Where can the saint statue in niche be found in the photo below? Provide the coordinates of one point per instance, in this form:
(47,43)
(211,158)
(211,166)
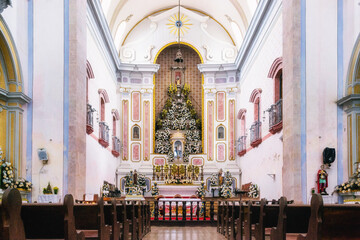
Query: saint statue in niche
(136,133)
(221,133)
(178,149)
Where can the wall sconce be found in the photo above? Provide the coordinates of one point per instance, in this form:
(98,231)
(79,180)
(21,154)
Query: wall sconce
(272,175)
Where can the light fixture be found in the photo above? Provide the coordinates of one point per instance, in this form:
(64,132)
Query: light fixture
(178,24)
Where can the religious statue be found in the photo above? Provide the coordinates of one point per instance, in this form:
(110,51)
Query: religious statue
(178,81)
(221,177)
(155,190)
(135,177)
(322,181)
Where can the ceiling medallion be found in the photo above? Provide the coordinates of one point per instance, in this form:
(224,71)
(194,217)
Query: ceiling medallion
(176,24)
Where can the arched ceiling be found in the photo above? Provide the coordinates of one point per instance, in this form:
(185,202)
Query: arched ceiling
(239,11)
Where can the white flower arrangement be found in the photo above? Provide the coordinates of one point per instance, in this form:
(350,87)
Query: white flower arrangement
(254,191)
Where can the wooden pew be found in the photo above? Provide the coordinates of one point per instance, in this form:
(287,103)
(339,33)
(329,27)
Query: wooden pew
(132,219)
(90,219)
(122,218)
(111,219)
(268,218)
(334,222)
(11,225)
(50,220)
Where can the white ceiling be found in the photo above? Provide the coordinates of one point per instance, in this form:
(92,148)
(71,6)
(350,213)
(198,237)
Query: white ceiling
(240,11)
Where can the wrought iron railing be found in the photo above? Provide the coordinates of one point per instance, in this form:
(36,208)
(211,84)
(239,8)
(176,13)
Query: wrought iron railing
(242,144)
(275,114)
(116,144)
(104,132)
(255,132)
(90,119)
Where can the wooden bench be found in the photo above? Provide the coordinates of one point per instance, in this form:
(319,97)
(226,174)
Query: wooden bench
(122,218)
(334,222)
(90,219)
(111,219)
(50,220)
(11,225)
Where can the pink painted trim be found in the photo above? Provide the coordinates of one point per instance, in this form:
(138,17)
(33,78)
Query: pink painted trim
(103,93)
(89,70)
(275,67)
(97,139)
(262,140)
(241,112)
(116,114)
(255,93)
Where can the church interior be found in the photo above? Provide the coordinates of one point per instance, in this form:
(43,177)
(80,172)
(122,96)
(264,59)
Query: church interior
(180,119)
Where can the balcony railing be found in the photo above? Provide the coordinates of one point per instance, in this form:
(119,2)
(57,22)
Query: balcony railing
(104,134)
(116,146)
(89,119)
(255,134)
(275,117)
(241,146)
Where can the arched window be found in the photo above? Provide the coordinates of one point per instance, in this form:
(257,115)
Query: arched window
(275,111)
(115,140)
(90,110)
(103,126)
(241,147)
(255,129)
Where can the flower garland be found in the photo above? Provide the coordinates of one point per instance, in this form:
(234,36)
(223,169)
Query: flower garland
(254,191)
(8,176)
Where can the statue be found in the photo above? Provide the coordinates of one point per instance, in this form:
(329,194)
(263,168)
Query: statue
(322,181)
(135,177)
(178,81)
(155,190)
(221,177)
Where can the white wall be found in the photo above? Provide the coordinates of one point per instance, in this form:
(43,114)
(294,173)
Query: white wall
(100,163)
(267,158)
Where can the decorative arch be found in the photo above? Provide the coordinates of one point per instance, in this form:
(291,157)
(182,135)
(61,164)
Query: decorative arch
(241,112)
(255,94)
(276,66)
(103,94)
(353,75)
(89,70)
(116,114)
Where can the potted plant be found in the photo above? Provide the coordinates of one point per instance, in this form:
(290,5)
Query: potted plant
(56,190)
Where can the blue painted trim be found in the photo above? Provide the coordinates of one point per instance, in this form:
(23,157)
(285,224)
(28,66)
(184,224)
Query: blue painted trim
(66,97)
(29,117)
(340,87)
(303,100)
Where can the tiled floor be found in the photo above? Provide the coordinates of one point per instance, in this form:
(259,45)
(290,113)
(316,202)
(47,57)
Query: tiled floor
(183,233)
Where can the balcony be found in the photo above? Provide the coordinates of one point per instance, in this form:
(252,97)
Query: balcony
(89,119)
(241,146)
(275,117)
(255,134)
(116,146)
(104,134)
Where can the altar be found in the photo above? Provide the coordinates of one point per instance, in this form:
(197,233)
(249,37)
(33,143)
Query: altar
(183,190)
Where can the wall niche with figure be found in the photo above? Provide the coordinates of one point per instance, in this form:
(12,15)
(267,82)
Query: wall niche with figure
(135,133)
(220,132)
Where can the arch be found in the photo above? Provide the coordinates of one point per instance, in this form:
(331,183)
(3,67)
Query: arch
(353,75)
(241,112)
(276,66)
(116,114)
(255,94)
(11,60)
(103,94)
(89,70)
(176,43)
(220,136)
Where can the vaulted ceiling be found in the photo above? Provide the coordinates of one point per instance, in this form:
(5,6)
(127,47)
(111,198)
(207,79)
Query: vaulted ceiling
(226,12)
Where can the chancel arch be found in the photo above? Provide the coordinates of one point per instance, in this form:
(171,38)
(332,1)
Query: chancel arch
(12,100)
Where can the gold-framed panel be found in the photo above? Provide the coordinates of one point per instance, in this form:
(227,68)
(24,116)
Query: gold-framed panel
(217,134)
(132,106)
(153,160)
(132,137)
(203,161)
(212,104)
(144,128)
(125,102)
(217,144)
(131,153)
(350,154)
(234,129)
(217,117)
